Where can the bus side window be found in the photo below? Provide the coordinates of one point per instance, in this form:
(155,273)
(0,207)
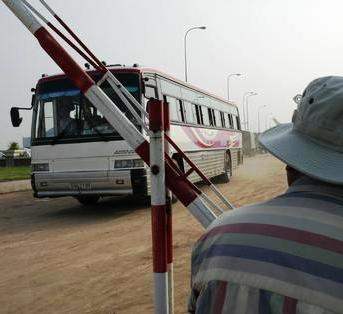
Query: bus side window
(195,114)
(198,113)
(150,92)
(180,111)
(234,118)
(217,118)
(238,123)
(189,115)
(211,116)
(227,121)
(204,114)
(173,108)
(231,126)
(222,119)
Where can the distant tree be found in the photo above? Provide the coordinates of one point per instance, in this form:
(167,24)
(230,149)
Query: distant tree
(13,146)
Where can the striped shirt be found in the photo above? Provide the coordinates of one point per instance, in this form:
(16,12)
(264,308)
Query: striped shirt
(281,256)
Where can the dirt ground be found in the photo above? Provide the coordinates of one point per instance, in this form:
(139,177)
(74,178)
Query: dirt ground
(59,257)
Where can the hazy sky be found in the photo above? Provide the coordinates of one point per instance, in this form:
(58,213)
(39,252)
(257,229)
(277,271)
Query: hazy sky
(278,46)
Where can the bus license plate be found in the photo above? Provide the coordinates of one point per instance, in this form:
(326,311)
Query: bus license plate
(81,186)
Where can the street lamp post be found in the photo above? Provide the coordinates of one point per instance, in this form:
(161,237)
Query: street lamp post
(228,83)
(243,107)
(247,104)
(267,120)
(258,117)
(185,46)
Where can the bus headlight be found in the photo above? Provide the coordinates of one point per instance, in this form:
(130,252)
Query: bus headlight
(40,167)
(128,163)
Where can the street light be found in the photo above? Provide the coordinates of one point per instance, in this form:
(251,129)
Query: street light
(243,106)
(258,117)
(267,120)
(228,83)
(185,45)
(247,103)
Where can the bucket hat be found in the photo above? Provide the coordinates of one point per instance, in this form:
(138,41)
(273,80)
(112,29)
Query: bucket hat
(313,142)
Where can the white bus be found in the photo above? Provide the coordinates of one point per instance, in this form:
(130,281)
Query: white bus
(75,152)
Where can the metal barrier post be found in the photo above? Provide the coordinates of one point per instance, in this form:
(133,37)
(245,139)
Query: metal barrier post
(158,206)
(170,267)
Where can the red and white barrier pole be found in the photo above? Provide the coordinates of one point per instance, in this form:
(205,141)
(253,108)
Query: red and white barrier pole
(170,268)
(158,206)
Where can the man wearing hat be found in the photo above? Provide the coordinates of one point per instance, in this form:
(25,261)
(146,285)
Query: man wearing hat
(284,255)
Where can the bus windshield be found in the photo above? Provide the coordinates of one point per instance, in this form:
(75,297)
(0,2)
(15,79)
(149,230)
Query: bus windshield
(63,114)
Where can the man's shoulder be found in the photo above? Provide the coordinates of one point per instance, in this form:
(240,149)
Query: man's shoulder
(250,214)
(288,226)
(299,204)
(291,245)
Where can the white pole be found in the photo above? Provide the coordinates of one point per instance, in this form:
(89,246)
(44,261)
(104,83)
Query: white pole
(170,266)
(158,206)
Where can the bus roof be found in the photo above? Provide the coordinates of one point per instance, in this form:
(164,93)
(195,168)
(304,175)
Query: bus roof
(139,70)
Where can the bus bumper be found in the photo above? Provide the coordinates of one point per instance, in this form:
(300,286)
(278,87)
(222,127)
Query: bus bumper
(114,182)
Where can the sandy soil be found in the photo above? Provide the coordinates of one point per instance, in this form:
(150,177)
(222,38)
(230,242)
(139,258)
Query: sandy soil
(58,257)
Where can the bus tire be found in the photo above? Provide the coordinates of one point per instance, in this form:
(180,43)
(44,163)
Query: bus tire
(226,176)
(87,200)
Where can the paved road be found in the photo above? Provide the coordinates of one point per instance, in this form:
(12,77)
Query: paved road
(60,257)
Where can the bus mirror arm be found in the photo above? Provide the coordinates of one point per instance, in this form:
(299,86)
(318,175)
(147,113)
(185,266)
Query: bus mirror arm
(15,116)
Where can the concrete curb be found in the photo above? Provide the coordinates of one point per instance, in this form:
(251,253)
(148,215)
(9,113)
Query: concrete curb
(14,186)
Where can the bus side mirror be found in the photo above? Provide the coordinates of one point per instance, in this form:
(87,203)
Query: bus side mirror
(15,117)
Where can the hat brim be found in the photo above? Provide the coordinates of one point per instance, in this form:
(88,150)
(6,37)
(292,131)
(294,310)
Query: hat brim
(299,152)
